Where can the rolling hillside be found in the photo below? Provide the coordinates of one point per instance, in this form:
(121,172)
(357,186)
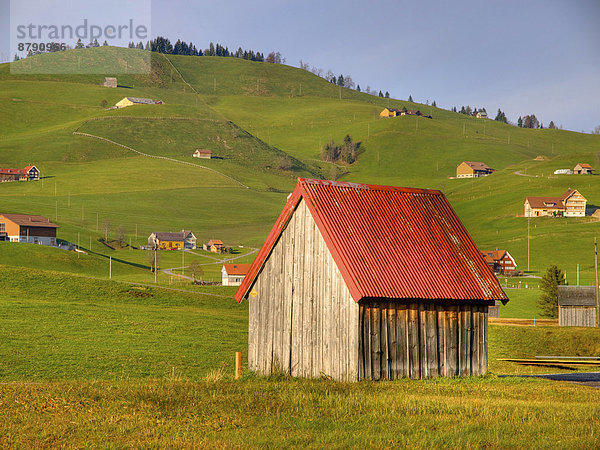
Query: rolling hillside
(267,123)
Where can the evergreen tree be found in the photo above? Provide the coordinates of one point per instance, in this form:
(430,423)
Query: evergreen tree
(548,301)
(105,44)
(410,98)
(16,57)
(140,46)
(380,94)
(79,44)
(340,81)
(462,110)
(358,88)
(552,126)
(434,104)
(387,94)
(211,50)
(520,122)
(501,117)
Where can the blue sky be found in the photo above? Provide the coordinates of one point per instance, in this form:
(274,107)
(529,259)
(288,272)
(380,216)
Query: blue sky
(538,57)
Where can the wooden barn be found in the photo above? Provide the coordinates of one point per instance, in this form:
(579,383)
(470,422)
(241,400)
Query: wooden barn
(357,281)
(577,306)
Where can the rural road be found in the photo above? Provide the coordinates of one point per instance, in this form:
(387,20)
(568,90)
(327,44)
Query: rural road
(217,260)
(591,379)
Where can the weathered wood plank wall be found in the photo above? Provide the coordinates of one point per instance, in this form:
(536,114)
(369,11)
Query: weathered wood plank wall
(577,316)
(302,318)
(421,341)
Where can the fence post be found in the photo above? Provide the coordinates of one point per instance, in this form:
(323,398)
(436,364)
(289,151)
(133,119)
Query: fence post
(238,365)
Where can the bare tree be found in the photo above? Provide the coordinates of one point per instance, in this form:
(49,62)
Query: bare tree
(106,227)
(121,235)
(196,270)
(317,71)
(304,66)
(329,75)
(595,130)
(348,82)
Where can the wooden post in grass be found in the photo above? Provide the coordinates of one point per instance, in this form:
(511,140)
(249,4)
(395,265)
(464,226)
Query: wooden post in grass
(110,267)
(238,365)
(155,257)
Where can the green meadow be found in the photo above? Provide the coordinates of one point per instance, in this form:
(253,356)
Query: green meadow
(86,361)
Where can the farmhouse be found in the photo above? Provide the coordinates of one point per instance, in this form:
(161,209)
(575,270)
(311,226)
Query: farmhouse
(500,261)
(128,101)
(110,82)
(390,112)
(570,204)
(480,115)
(29,173)
(411,112)
(356,281)
(473,169)
(583,169)
(203,154)
(172,241)
(577,306)
(234,274)
(214,245)
(27,228)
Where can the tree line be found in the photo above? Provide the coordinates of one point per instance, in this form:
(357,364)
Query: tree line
(162,44)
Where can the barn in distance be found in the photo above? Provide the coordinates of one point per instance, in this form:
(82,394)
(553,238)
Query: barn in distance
(358,281)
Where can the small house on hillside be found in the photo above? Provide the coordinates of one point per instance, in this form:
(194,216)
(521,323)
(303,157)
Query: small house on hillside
(500,261)
(214,245)
(357,281)
(29,173)
(577,306)
(110,82)
(411,112)
(570,204)
(128,101)
(172,241)
(203,154)
(480,115)
(473,169)
(234,274)
(583,169)
(27,228)
(390,112)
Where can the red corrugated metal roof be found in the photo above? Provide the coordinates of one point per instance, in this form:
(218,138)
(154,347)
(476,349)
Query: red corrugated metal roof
(389,242)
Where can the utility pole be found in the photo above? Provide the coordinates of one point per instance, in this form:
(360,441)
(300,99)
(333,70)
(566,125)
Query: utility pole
(155,268)
(57,210)
(183,260)
(110,267)
(528,243)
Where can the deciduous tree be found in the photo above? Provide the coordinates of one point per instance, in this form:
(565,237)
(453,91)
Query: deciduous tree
(548,301)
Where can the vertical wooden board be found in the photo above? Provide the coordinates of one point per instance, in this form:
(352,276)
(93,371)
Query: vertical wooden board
(384,339)
(376,341)
(316,294)
(252,335)
(482,344)
(485,340)
(423,342)
(452,341)
(462,341)
(269,317)
(393,340)
(468,339)
(326,328)
(353,328)
(441,339)
(368,343)
(298,250)
(432,341)
(276,312)
(413,340)
(287,240)
(402,338)
(475,347)
(361,340)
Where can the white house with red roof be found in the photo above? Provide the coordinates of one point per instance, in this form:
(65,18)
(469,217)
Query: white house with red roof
(29,173)
(570,204)
(234,274)
(358,281)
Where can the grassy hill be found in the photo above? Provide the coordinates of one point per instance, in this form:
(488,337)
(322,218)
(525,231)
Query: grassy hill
(267,123)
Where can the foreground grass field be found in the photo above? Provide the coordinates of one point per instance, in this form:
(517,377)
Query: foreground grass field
(87,362)
(454,413)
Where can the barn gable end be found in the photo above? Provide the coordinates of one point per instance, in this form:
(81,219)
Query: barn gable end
(302,317)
